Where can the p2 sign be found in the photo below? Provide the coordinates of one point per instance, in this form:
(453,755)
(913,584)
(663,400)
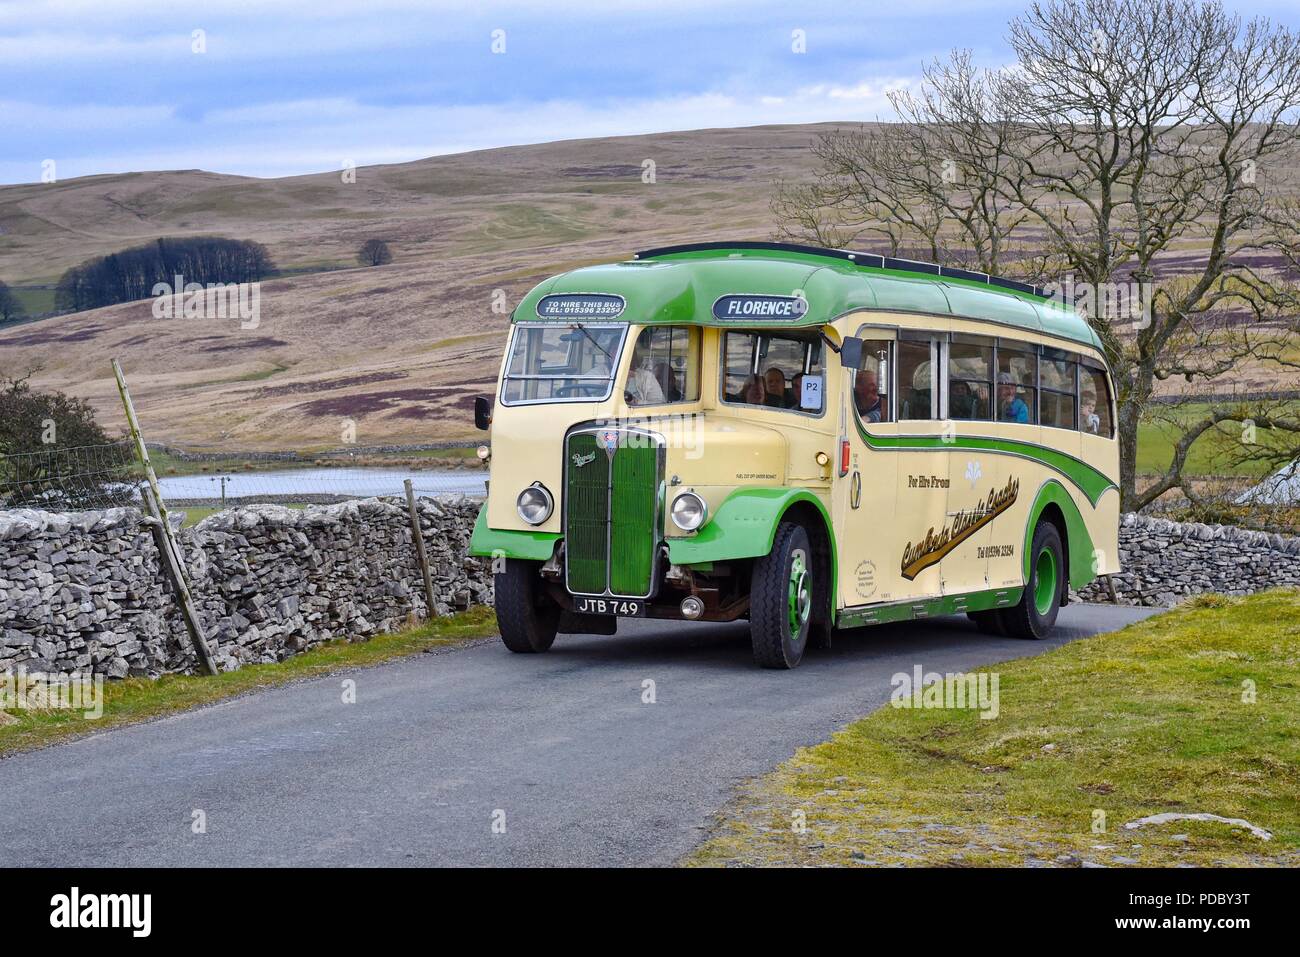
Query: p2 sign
(810,393)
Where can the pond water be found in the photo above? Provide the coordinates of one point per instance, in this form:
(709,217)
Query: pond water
(358,482)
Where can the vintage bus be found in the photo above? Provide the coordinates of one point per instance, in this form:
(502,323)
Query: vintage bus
(810,439)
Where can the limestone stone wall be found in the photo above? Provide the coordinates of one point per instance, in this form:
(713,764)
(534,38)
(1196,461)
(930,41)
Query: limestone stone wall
(85,591)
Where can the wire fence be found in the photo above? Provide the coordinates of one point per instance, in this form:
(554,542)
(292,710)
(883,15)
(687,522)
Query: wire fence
(97,477)
(71,479)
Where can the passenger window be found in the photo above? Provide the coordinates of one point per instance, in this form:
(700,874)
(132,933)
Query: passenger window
(776,370)
(1094,403)
(665,366)
(917,395)
(1058,390)
(871,381)
(1017,386)
(970,381)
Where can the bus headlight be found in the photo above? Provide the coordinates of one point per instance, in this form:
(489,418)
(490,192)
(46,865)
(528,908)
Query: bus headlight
(535,504)
(689,511)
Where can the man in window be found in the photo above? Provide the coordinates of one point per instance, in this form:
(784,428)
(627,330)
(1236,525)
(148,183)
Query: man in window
(866,396)
(1011,408)
(774,383)
(642,387)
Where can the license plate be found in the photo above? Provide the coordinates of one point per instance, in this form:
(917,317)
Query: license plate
(624,607)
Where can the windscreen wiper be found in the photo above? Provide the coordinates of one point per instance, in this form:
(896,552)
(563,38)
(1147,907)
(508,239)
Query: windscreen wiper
(592,339)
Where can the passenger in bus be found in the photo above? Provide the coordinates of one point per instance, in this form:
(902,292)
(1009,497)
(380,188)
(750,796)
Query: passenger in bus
(667,380)
(1011,408)
(755,391)
(961,401)
(774,381)
(1088,416)
(867,398)
(642,387)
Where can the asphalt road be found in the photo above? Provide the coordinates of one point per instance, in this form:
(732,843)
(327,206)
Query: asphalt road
(438,748)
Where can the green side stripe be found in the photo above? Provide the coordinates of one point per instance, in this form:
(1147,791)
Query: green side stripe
(1088,479)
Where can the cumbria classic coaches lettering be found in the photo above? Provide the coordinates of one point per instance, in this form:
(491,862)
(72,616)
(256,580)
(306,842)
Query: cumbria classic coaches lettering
(932,548)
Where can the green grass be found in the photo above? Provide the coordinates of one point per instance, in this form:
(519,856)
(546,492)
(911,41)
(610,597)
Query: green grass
(1211,454)
(34,301)
(1145,720)
(256,376)
(166,465)
(140,699)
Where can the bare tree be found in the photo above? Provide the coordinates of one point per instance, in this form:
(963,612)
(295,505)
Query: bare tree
(374,252)
(1126,134)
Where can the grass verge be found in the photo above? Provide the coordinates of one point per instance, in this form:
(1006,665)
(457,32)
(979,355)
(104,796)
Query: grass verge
(1150,719)
(140,699)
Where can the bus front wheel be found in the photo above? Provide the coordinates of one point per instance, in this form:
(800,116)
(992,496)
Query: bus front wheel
(781,599)
(527,616)
(1035,615)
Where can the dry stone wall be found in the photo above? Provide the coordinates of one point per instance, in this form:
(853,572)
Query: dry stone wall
(1165,562)
(85,591)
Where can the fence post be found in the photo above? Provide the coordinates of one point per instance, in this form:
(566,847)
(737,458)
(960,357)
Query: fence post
(419,547)
(173,565)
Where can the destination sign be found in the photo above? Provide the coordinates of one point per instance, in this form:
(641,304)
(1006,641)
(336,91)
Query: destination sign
(586,305)
(740,307)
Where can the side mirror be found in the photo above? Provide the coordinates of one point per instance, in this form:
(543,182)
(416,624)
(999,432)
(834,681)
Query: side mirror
(851,353)
(482,413)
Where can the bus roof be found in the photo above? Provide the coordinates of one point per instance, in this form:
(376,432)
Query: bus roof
(690,284)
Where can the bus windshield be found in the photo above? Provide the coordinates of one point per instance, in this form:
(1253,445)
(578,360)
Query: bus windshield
(562,362)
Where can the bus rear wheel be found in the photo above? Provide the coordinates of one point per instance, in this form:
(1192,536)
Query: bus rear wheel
(1035,615)
(527,616)
(781,599)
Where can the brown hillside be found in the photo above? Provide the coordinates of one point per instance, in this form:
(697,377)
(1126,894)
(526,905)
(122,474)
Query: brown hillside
(395,348)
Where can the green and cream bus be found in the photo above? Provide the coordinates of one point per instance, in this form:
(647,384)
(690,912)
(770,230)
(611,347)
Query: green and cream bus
(810,439)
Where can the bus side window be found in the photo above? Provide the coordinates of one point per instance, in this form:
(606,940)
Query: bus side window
(1017,385)
(1058,389)
(665,366)
(917,392)
(1094,402)
(970,380)
(871,381)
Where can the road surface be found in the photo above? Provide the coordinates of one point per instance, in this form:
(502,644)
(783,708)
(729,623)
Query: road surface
(440,750)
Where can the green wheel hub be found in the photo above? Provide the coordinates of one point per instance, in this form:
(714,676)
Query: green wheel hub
(799,595)
(1046,583)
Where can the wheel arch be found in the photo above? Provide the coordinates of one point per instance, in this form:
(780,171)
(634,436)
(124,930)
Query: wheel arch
(816,523)
(1054,504)
(745,527)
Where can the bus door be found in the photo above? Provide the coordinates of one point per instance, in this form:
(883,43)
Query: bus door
(923,464)
(972,474)
(890,496)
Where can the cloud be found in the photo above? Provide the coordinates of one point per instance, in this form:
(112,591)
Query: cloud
(324,133)
(297,86)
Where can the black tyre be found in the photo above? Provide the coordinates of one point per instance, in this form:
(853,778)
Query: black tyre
(527,616)
(781,599)
(1035,615)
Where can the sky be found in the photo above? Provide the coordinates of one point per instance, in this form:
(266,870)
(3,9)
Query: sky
(283,87)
